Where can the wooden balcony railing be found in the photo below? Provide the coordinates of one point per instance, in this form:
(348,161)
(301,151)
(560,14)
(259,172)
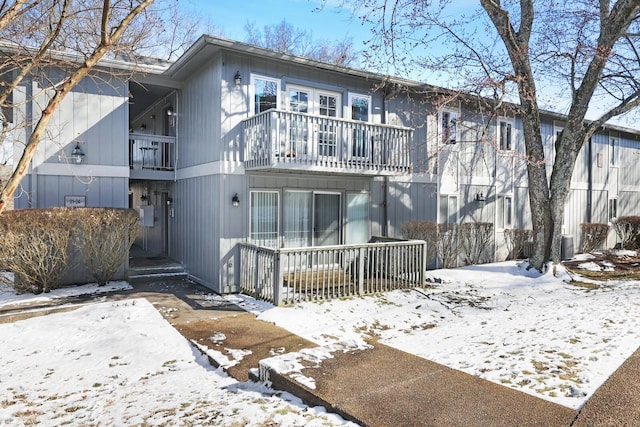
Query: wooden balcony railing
(155,152)
(289,275)
(281,139)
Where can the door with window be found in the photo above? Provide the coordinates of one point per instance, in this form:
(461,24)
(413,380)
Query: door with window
(361,141)
(317,136)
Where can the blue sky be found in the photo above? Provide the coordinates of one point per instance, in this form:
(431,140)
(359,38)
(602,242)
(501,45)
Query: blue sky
(331,23)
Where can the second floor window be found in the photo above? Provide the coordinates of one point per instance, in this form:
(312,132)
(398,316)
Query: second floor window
(266,92)
(505,135)
(613,152)
(449,127)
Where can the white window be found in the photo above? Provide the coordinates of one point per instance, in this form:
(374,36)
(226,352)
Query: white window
(359,107)
(449,126)
(504,212)
(613,209)
(360,110)
(448,209)
(266,93)
(613,152)
(505,135)
(263,229)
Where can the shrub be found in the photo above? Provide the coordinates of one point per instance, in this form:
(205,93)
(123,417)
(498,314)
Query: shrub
(593,235)
(448,247)
(475,237)
(35,247)
(422,230)
(516,240)
(628,231)
(105,237)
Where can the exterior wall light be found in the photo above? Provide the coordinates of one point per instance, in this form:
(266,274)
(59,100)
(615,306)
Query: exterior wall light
(238,78)
(235,200)
(77,155)
(480,199)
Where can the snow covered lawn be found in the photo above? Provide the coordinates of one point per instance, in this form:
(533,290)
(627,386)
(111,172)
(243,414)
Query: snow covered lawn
(535,333)
(121,363)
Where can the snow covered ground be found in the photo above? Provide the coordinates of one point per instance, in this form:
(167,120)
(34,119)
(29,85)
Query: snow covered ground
(535,333)
(120,362)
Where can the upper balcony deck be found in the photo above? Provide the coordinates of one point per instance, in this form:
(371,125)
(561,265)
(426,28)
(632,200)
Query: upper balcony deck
(278,139)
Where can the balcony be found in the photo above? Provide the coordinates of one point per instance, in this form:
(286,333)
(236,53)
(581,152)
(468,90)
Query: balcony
(151,156)
(284,140)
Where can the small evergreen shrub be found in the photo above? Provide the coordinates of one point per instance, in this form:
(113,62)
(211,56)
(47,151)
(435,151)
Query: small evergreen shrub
(593,235)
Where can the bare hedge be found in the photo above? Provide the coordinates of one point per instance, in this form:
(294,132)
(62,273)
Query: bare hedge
(628,230)
(35,247)
(593,235)
(104,239)
(516,240)
(448,241)
(36,244)
(476,237)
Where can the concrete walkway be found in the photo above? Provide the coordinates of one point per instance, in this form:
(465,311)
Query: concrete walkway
(380,386)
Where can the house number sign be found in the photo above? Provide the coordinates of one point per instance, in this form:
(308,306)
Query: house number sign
(75,201)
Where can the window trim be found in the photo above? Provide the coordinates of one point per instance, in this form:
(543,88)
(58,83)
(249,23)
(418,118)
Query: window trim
(502,210)
(445,137)
(614,148)
(457,213)
(611,218)
(353,95)
(278,209)
(252,91)
(510,124)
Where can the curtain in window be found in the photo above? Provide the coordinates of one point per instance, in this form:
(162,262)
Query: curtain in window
(297,219)
(264,218)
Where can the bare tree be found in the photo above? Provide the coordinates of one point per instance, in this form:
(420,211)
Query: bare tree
(588,50)
(68,35)
(284,37)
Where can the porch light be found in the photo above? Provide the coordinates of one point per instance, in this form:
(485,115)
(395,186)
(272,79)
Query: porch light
(235,200)
(238,78)
(480,199)
(170,112)
(77,155)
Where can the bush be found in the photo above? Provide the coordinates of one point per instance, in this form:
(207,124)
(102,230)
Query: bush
(516,240)
(36,244)
(475,237)
(35,247)
(105,237)
(422,230)
(593,236)
(448,247)
(628,231)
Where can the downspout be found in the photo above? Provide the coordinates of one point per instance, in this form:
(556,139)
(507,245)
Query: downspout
(589,179)
(175,148)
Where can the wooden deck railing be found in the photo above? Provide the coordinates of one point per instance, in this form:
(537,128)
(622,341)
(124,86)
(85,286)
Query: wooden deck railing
(282,139)
(155,152)
(289,275)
